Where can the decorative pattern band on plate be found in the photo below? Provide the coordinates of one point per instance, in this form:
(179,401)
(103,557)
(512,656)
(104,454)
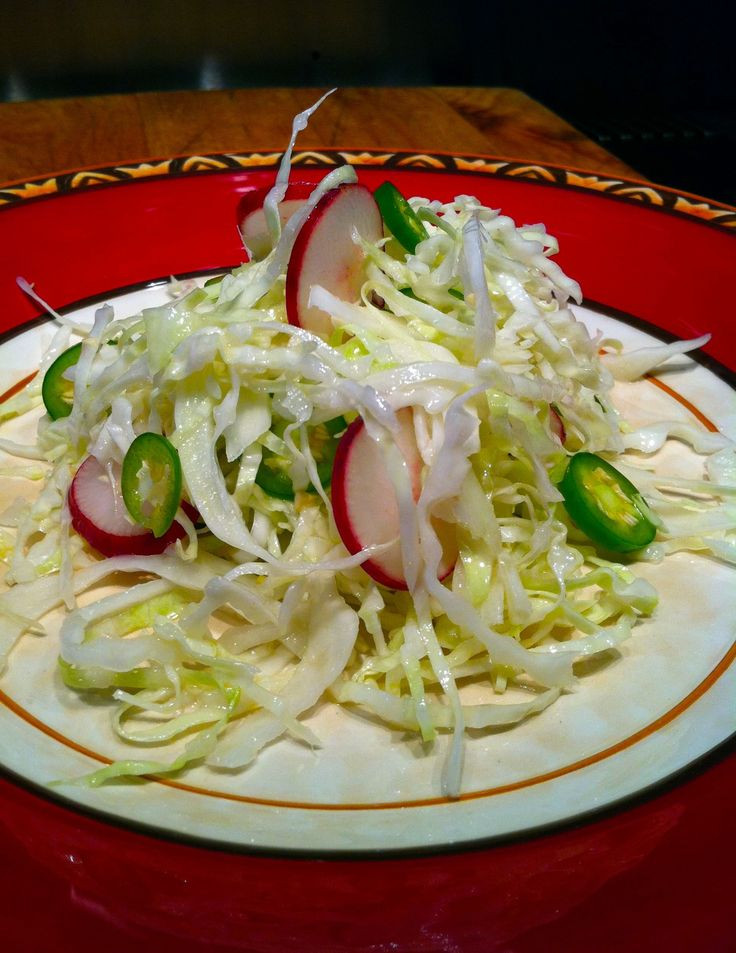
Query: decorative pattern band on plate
(706,210)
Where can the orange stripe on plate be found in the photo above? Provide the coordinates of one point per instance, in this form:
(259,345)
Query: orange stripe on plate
(12,391)
(705,421)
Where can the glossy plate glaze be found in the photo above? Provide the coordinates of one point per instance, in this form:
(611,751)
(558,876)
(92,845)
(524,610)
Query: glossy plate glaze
(666,262)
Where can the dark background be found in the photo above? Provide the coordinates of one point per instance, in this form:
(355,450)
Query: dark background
(652,83)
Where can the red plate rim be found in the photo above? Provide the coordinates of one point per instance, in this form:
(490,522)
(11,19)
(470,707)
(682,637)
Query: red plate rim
(628,189)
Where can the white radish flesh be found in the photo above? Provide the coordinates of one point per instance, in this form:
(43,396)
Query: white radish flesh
(364,499)
(325,254)
(99,515)
(556,425)
(252,219)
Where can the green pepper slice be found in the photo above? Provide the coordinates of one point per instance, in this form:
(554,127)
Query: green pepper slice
(151,482)
(275,481)
(272,479)
(55,389)
(605,505)
(400,218)
(451,291)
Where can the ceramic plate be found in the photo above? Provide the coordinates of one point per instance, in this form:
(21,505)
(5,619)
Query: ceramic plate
(652,264)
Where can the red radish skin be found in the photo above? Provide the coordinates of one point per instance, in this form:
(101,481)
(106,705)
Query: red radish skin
(364,500)
(325,254)
(192,512)
(108,530)
(252,220)
(556,425)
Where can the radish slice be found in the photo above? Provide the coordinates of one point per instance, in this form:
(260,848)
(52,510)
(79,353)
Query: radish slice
(192,512)
(252,220)
(325,254)
(556,425)
(102,519)
(364,500)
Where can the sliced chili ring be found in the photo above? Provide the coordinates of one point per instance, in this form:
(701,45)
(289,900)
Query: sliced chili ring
(400,218)
(325,455)
(151,482)
(272,479)
(336,426)
(451,291)
(55,387)
(605,505)
(276,481)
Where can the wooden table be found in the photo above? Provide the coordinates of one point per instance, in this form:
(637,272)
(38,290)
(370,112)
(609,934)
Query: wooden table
(55,135)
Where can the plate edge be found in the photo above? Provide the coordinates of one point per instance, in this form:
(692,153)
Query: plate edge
(630,190)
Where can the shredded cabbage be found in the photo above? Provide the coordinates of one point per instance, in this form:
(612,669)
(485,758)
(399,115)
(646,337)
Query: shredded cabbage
(223,644)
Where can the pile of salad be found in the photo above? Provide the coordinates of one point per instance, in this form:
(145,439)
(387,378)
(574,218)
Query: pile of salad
(375,466)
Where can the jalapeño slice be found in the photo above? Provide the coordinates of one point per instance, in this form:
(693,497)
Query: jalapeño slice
(151,482)
(605,505)
(273,479)
(56,389)
(400,218)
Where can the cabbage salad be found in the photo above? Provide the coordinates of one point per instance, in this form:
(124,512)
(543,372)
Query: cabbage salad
(381,498)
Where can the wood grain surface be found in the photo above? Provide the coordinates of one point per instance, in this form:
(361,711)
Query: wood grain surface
(55,135)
